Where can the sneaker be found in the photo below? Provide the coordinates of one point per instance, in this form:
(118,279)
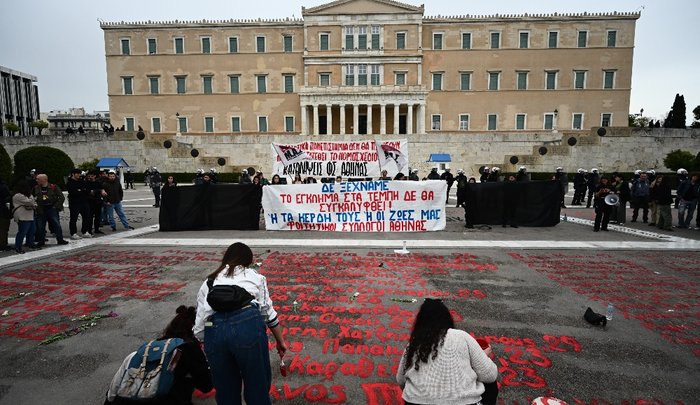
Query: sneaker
(20,251)
(62,242)
(99,232)
(87,235)
(131,228)
(75,236)
(114,228)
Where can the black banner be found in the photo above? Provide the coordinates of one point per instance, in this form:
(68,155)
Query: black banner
(535,203)
(214,206)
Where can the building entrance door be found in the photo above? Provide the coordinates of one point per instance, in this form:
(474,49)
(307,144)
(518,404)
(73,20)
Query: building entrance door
(402,124)
(362,121)
(322,125)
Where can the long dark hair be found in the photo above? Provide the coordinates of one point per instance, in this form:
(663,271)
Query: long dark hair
(238,254)
(428,334)
(22,187)
(181,325)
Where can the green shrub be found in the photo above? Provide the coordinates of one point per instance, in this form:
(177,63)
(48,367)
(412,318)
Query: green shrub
(54,162)
(90,165)
(5,166)
(679,159)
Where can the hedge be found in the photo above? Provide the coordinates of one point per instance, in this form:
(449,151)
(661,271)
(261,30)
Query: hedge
(54,162)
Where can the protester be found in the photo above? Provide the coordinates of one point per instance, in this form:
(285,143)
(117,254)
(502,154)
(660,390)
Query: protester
(23,213)
(664,199)
(114,194)
(129,179)
(236,341)
(79,205)
(155,181)
(276,180)
(602,209)
(191,370)
(49,200)
(442,365)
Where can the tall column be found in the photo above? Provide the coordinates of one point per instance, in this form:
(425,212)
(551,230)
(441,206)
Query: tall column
(421,118)
(396,118)
(304,118)
(355,119)
(329,119)
(382,119)
(342,119)
(369,119)
(409,119)
(315,119)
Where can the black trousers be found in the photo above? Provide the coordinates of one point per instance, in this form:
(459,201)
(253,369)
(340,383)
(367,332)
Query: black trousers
(81,208)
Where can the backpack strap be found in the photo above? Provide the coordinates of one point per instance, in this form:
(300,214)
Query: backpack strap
(156,371)
(210,283)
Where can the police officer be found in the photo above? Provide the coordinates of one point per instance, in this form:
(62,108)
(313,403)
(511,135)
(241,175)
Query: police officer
(522,175)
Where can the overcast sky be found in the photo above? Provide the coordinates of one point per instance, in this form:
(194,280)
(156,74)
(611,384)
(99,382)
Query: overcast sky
(62,44)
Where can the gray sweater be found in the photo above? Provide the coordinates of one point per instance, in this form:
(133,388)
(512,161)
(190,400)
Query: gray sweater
(455,377)
(24,207)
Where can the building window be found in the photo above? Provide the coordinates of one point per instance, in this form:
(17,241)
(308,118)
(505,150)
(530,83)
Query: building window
(549,121)
(289,124)
(349,37)
(179,45)
(580,79)
(400,40)
(152,46)
(466,40)
(207,84)
(436,122)
(182,124)
(400,78)
(209,124)
(495,40)
(437,40)
(181,84)
(437,81)
(233,44)
(376,37)
(262,124)
(612,39)
(494,78)
(324,79)
(129,123)
(206,44)
(609,79)
(551,80)
(288,43)
(126,46)
(288,83)
(553,41)
(492,120)
(577,121)
(375,75)
(524,40)
(260,44)
(465,81)
(606,120)
(128,85)
(350,75)
(261,81)
(362,38)
(154,85)
(155,124)
(464,122)
(235,124)
(362,74)
(520,121)
(324,39)
(522,80)
(582,39)
(235,84)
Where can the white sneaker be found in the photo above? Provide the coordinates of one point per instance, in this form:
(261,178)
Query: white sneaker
(87,235)
(76,236)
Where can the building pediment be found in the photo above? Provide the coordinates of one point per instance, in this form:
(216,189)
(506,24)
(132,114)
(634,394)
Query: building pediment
(362,7)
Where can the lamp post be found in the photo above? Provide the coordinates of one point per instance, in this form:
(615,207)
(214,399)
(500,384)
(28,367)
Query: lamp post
(177,124)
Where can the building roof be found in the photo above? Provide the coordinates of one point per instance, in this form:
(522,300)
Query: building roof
(440,157)
(112,162)
(395,6)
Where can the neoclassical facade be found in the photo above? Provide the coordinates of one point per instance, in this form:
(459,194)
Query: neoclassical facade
(371,67)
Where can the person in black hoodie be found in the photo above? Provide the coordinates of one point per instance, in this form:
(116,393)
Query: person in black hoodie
(602,209)
(191,370)
(622,188)
(78,204)
(664,199)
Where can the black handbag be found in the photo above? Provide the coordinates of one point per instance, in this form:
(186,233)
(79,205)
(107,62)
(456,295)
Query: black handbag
(227,298)
(594,318)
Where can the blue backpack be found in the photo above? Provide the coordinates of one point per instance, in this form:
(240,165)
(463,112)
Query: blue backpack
(148,372)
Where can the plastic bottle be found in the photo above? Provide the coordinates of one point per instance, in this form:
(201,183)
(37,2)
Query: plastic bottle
(609,314)
(283,368)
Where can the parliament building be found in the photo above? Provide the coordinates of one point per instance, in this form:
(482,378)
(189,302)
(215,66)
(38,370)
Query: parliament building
(371,67)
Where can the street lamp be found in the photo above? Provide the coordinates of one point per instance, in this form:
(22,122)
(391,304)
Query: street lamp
(177,124)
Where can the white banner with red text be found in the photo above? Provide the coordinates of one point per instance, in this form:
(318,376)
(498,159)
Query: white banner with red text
(358,159)
(356,206)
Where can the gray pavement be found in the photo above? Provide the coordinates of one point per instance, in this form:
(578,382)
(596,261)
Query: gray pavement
(524,289)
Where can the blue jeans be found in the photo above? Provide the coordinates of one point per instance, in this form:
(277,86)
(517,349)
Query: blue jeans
(120,213)
(49,214)
(237,349)
(24,228)
(686,210)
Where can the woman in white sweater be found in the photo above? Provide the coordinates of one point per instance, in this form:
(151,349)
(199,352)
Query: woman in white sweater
(442,365)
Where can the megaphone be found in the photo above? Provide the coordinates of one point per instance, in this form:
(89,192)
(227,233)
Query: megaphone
(612,199)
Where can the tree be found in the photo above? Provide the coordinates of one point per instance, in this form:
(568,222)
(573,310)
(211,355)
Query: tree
(39,124)
(89,165)
(11,127)
(696,115)
(677,114)
(636,120)
(5,165)
(679,159)
(54,162)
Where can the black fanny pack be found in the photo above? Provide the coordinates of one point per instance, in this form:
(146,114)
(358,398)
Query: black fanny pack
(227,298)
